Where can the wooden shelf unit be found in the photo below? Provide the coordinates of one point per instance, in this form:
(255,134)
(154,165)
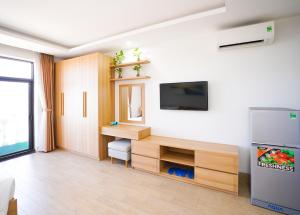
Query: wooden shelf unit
(130,64)
(215,165)
(130,78)
(112,72)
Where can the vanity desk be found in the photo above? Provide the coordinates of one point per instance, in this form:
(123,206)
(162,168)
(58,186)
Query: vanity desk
(131,132)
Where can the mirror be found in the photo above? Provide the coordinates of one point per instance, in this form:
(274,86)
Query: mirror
(131,103)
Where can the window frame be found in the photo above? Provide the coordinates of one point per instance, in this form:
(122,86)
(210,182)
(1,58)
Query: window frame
(30,83)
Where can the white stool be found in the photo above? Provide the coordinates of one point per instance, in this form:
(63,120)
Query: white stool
(120,149)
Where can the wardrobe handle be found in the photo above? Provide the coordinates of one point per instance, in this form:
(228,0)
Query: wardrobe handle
(62,104)
(84,104)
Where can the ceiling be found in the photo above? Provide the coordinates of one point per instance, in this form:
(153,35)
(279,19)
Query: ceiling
(67,27)
(71,23)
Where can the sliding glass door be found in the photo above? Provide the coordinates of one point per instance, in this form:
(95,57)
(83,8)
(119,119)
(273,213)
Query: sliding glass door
(16,107)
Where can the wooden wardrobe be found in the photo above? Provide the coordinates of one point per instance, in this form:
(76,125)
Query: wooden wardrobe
(84,102)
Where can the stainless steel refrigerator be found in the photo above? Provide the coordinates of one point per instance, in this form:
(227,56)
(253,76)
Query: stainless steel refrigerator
(275,159)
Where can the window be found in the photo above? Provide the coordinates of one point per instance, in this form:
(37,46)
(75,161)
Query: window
(16,109)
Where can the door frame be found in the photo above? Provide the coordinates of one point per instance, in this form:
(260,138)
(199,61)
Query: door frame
(30,83)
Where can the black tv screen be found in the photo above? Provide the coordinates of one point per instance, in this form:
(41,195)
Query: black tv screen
(184,96)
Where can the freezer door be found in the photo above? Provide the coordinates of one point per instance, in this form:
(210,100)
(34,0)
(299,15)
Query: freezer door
(273,182)
(275,127)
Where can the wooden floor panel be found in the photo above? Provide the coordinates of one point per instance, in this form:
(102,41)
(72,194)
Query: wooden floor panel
(61,183)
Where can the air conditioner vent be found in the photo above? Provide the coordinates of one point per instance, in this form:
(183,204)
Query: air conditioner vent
(243,43)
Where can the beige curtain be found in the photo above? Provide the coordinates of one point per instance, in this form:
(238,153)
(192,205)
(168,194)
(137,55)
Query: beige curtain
(47,75)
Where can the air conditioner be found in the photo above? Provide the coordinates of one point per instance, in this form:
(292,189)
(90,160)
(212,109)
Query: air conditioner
(246,36)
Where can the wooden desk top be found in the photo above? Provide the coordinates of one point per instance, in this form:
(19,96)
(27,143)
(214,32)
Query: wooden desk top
(126,131)
(192,145)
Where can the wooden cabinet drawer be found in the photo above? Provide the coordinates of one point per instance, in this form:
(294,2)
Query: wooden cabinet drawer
(145,163)
(217,161)
(215,179)
(145,148)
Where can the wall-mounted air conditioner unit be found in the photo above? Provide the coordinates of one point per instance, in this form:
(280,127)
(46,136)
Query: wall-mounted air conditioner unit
(247,36)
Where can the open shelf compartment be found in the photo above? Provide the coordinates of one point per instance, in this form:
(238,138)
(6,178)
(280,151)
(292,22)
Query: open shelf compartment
(165,167)
(178,156)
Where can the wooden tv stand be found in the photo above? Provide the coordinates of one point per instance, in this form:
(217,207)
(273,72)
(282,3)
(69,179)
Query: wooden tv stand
(214,165)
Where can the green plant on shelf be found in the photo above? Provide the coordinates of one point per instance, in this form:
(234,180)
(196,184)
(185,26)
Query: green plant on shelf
(137,68)
(118,59)
(137,53)
(119,71)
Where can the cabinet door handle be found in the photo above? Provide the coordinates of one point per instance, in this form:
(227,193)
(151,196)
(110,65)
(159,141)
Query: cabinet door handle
(84,104)
(62,104)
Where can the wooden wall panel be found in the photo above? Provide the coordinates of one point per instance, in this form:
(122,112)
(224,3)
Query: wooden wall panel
(106,102)
(58,104)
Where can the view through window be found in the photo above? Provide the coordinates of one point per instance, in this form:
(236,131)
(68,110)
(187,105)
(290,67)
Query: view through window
(16,110)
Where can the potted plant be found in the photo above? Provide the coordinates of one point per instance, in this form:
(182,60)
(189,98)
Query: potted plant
(137,53)
(118,59)
(137,68)
(119,71)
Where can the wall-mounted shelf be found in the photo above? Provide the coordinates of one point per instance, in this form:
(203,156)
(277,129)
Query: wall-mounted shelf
(130,78)
(130,64)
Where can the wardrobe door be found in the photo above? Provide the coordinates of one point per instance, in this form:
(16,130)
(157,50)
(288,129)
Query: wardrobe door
(89,126)
(64,104)
(67,106)
(73,105)
(59,104)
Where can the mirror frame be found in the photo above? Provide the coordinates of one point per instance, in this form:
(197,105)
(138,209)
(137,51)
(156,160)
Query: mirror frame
(121,116)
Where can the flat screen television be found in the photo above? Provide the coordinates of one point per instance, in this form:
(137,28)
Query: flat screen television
(184,96)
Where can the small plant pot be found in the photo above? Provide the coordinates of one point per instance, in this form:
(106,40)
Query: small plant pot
(119,72)
(137,68)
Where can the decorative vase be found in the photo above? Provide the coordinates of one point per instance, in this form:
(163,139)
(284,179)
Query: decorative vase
(119,71)
(138,73)
(137,68)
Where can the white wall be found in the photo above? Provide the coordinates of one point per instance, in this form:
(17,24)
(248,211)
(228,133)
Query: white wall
(12,52)
(8,51)
(238,79)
